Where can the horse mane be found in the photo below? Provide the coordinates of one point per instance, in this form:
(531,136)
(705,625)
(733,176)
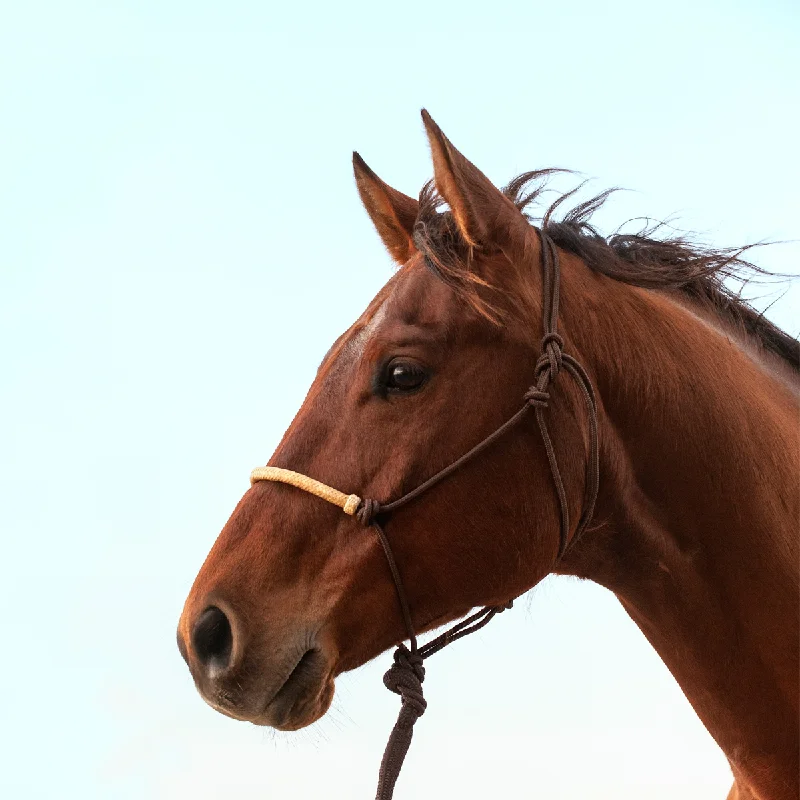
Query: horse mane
(645,258)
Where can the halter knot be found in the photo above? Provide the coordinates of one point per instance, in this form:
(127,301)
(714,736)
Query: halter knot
(536,397)
(405,678)
(367,511)
(552,346)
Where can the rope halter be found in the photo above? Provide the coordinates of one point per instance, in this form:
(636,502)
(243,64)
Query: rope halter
(407,673)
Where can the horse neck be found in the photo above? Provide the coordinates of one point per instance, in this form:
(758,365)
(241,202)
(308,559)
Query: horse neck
(696,526)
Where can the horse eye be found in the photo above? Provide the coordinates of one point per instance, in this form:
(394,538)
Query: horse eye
(405,376)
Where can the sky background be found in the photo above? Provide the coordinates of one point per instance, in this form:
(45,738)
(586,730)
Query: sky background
(180,243)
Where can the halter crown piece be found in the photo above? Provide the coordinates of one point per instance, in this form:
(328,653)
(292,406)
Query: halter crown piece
(407,673)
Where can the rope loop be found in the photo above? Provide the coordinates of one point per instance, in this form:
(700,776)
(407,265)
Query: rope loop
(367,511)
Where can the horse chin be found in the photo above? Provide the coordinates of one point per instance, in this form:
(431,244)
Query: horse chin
(304,697)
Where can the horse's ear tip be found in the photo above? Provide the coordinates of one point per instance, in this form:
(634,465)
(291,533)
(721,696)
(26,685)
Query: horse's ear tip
(360,166)
(428,122)
(436,137)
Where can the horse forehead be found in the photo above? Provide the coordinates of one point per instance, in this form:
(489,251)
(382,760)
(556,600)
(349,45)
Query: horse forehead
(349,348)
(354,347)
(408,299)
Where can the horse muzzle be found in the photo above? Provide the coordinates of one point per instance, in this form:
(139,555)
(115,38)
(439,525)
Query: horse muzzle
(286,685)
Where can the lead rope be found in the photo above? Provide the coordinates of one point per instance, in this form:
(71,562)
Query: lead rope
(407,673)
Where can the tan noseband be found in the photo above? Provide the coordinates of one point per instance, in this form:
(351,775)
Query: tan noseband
(347,502)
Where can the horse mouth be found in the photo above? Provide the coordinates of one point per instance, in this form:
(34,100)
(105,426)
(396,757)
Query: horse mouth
(303,697)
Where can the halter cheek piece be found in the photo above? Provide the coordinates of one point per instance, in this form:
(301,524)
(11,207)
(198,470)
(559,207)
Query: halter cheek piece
(407,673)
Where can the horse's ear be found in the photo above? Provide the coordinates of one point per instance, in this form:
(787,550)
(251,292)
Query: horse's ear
(393,213)
(484,215)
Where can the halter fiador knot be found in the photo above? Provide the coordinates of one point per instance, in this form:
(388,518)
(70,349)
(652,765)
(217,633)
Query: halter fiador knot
(405,678)
(407,673)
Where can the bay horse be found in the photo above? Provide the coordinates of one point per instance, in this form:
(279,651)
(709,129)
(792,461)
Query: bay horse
(695,524)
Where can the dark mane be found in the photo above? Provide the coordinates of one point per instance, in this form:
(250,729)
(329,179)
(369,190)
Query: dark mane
(644,258)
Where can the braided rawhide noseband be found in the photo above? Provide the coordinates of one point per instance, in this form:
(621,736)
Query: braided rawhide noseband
(407,673)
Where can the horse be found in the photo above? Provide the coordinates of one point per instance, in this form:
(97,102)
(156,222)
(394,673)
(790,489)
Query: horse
(690,515)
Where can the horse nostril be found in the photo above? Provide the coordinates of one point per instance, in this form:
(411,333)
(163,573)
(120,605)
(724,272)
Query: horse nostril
(212,639)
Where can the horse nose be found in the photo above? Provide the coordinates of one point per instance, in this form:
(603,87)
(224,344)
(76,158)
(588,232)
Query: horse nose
(212,640)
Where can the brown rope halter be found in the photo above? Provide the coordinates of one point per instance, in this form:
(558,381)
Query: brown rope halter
(407,673)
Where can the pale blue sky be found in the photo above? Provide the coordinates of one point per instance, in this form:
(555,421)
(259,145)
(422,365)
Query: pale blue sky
(180,242)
